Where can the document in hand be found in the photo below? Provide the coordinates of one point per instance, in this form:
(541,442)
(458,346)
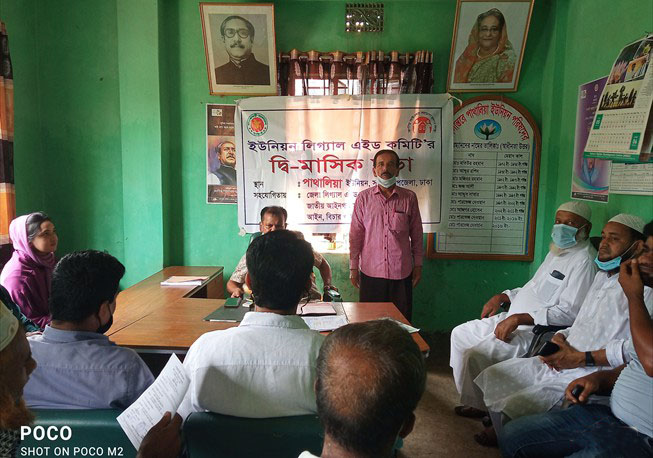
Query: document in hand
(183,280)
(164,395)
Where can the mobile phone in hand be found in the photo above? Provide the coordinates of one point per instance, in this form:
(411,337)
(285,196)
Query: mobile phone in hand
(547,349)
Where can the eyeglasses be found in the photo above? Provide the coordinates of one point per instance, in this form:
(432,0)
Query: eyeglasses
(242,33)
(487,29)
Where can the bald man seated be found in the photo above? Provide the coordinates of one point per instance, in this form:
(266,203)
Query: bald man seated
(370,378)
(552,297)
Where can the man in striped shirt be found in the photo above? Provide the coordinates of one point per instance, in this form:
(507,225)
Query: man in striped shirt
(385,238)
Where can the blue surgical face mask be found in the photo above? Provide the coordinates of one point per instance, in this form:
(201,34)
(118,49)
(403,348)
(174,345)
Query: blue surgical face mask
(564,236)
(386,183)
(613,263)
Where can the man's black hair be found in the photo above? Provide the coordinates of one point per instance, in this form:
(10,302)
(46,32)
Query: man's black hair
(370,377)
(81,282)
(279,212)
(33,224)
(279,265)
(248,24)
(383,151)
(648,230)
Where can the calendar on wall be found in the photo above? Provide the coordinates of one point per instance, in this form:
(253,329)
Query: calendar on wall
(619,129)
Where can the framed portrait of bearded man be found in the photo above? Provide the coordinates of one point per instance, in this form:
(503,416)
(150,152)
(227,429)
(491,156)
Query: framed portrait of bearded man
(488,45)
(240,48)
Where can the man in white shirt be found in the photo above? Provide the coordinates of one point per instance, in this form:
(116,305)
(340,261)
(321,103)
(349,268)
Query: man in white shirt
(370,378)
(552,297)
(266,366)
(625,428)
(520,387)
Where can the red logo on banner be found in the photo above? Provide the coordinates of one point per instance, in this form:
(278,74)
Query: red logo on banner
(421,123)
(257,124)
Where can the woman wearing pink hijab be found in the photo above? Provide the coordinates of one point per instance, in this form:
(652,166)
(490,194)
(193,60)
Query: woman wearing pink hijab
(28,273)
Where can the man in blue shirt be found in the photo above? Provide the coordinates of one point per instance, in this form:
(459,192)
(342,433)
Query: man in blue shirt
(625,428)
(78,366)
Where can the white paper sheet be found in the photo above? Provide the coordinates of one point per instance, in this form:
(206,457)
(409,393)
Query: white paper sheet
(164,395)
(325,323)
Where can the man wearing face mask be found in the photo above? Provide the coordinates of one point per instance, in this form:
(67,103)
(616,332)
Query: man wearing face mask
(595,341)
(551,298)
(385,238)
(78,366)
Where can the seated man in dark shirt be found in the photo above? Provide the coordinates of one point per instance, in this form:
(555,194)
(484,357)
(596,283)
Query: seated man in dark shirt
(242,68)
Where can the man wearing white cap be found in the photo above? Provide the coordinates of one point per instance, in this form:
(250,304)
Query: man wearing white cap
(16,364)
(519,387)
(552,297)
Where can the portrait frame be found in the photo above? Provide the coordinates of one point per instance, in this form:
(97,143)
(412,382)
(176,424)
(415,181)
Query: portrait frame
(488,61)
(237,65)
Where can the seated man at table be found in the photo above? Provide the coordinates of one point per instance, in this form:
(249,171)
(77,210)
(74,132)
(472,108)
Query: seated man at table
(78,366)
(552,297)
(370,377)
(266,366)
(625,428)
(274,219)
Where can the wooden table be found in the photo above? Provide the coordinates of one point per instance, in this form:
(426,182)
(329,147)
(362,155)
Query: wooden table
(147,298)
(154,318)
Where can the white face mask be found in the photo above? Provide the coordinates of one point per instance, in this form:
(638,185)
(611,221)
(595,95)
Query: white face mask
(386,183)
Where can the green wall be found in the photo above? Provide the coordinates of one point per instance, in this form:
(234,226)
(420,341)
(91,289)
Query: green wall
(110,125)
(587,51)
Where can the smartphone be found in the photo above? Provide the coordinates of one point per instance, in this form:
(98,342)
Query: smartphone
(547,349)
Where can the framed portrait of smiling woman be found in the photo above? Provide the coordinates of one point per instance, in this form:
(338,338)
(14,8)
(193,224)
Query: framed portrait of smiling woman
(488,45)
(240,48)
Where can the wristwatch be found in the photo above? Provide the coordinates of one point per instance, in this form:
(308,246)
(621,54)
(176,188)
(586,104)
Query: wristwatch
(589,359)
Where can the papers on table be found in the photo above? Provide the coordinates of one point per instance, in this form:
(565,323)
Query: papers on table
(164,395)
(325,323)
(316,308)
(184,280)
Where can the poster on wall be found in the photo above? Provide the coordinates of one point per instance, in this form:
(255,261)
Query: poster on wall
(240,48)
(618,130)
(314,155)
(590,177)
(493,204)
(634,179)
(220,154)
(488,45)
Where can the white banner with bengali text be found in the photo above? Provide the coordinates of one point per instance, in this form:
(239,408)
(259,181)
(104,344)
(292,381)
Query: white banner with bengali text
(313,155)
